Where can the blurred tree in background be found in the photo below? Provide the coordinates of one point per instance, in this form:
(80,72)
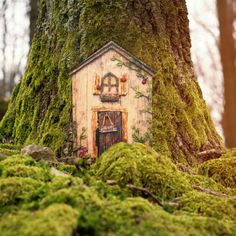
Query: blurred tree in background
(227,24)
(33,14)
(16,31)
(13,60)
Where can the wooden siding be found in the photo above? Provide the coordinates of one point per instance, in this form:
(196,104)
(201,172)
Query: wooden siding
(87,102)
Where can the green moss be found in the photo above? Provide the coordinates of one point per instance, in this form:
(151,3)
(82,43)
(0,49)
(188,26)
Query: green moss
(7,152)
(70,169)
(64,182)
(136,216)
(10,147)
(208,205)
(209,183)
(17,190)
(3,108)
(27,171)
(67,196)
(58,219)
(222,170)
(32,205)
(140,165)
(229,153)
(13,160)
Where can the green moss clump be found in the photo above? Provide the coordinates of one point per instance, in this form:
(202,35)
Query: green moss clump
(60,182)
(10,147)
(67,196)
(136,216)
(70,169)
(7,152)
(222,170)
(229,153)
(18,160)
(16,190)
(27,172)
(209,183)
(3,108)
(208,205)
(140,165)
(32,205)
(57,219)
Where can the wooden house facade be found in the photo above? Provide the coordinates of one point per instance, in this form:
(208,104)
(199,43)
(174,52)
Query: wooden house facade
(108,101)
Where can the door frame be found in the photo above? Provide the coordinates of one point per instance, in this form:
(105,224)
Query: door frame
(124,115)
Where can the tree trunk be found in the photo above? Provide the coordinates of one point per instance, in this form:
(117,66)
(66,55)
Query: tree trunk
(226,16)
(156,31)
(33,14)
(3,51)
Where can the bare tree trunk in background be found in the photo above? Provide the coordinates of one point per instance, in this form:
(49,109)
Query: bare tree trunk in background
(33,14)
(226,16)
(4,44)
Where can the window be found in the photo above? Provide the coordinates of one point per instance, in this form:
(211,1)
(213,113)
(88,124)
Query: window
(110,88)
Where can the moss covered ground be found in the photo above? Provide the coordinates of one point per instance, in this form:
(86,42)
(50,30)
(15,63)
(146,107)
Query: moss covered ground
(33,201)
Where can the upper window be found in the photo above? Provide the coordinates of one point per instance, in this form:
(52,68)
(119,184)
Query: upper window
(110,88)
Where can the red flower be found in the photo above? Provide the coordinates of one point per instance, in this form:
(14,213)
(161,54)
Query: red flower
(83,151)
(123,79)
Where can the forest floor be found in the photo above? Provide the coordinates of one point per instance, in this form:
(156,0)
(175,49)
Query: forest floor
(129,190)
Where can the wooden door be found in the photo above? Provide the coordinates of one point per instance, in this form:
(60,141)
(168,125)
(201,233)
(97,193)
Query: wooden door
(109,130)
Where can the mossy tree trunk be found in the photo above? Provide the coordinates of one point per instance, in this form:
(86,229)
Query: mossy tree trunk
(156,31)
(33,13)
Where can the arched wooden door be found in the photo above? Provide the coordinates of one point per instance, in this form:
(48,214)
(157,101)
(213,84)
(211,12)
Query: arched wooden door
(109,130)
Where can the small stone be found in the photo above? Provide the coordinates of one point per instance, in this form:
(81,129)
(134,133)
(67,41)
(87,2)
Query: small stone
(56,172)
(38,153)
(90,161)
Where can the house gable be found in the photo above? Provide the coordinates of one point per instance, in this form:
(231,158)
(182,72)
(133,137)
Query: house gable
(115,47)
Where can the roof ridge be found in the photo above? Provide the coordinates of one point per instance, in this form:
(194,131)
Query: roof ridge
(120,50)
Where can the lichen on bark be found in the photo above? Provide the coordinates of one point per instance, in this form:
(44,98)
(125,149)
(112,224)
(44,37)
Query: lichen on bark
(156,31)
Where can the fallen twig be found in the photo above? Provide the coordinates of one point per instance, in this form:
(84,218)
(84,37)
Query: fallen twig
(208,191)
(210,152)
(144,190)
(111,182)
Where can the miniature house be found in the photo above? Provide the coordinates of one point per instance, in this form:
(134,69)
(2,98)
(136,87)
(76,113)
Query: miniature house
(105,101)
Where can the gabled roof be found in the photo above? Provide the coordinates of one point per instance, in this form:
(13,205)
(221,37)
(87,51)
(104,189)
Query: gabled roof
(113,46)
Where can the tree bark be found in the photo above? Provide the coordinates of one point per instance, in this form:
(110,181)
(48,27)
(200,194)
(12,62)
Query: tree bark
(33,14)
(156,31)
(226,15)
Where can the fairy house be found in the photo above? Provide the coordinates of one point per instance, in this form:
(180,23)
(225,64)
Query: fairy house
(110,98)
